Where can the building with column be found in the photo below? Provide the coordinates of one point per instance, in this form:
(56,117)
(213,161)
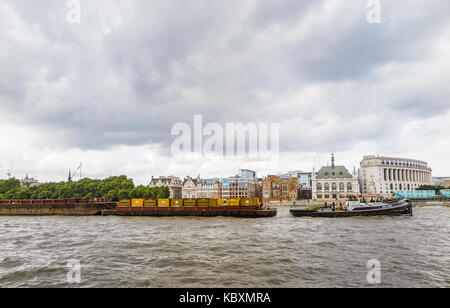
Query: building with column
(333,181)
(385,175)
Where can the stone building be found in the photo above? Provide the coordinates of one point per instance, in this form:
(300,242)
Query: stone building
(189,188)
(209,188)
(333,181)
(172,182)
(278,188)
(385,175)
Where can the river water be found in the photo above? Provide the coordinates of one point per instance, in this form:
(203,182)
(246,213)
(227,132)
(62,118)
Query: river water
(283,251)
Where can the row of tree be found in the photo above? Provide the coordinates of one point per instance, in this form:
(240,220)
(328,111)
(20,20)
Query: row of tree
(437,188)
(114,188)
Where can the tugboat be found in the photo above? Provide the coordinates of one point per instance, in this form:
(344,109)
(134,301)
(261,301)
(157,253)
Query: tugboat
(362,205)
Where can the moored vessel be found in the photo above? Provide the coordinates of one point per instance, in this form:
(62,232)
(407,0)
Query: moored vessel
(364,205)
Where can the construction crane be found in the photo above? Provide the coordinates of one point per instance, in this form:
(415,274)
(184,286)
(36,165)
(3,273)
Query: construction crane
(72,176)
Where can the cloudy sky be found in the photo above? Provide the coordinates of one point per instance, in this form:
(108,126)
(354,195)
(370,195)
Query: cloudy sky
(107,91)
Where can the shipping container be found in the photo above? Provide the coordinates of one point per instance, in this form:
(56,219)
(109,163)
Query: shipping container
(205,202)
(232,202)
(163,202)
(137,202)
(125,203)
(189,203)
(249,202)
(176,202)
(150,203)
(219,202)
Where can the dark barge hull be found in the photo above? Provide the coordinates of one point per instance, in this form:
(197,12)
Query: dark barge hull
(65,207)
(206,212)
(403,208)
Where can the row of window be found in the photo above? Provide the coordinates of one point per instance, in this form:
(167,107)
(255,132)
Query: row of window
(334,186)
(403,163)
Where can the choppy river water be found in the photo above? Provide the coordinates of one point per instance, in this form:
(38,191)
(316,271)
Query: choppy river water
(283,251)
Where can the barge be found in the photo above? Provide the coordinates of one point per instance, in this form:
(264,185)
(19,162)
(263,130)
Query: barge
(242,208)
(359,206)
(64,207)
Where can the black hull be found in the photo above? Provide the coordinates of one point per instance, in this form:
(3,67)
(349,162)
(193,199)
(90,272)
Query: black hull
(402,208)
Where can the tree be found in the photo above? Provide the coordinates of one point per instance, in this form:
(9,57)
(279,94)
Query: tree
(114,188)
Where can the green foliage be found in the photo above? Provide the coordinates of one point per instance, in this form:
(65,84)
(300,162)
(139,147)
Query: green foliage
(437,189)
(114,188)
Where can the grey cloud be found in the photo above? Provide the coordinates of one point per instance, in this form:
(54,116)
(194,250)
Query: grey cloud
(129,86)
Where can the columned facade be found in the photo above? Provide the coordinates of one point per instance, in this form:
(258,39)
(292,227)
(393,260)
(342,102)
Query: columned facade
(385,175)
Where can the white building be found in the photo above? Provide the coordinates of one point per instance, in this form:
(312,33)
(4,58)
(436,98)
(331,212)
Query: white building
(333,181)
(385,175)
(28,182)
(174,183)
(189,189)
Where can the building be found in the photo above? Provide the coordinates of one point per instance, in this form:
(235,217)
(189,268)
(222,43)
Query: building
(333,181)
(243,185)
(209,189)
(174,184)
(441,181)
(385,175)
(278,188)
(304,178)
(189,188)
(28,182)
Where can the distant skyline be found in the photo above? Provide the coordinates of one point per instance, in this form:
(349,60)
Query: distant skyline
(107,91)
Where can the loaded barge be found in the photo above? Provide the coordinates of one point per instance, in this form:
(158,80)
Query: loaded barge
(242,208)
(64,207)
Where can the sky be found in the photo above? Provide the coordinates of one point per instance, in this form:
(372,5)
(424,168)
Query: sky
(107,91)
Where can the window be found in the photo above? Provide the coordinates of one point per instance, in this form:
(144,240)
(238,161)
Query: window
(319,186)
(341,187)
(349,186)
(327,187)
(334,186)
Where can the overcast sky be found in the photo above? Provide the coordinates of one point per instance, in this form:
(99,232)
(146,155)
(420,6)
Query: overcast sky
(107,91)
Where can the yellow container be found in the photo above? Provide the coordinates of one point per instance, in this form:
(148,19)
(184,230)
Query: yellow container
(124,203)
(137,202)
(176,202)
(163,203)
(150,203)
(246,202)
(219,202)
(232,202)
(205,202)
(189,202)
